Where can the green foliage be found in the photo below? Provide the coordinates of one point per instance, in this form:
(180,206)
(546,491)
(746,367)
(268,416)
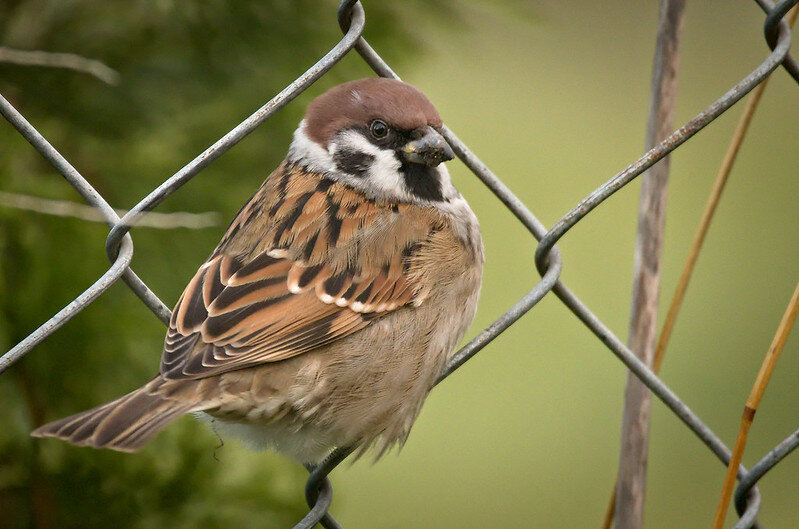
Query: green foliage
(190,71)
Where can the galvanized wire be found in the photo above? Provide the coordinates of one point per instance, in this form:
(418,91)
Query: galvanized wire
(548,261)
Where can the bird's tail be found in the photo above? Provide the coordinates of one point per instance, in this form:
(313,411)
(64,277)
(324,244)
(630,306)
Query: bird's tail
(124,424)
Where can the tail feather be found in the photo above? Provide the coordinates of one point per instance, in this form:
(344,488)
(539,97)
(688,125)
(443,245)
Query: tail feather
(124,424)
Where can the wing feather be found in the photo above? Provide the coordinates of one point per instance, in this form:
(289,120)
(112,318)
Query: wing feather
(305,263)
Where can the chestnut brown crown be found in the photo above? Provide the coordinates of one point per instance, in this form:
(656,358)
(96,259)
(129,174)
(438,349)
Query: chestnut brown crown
(356,103)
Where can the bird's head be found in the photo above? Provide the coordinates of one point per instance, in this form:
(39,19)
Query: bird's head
(379,136)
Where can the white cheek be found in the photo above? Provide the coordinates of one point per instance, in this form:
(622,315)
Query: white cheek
(385,172)
(384,177)
(311,154)
(448,191)
(383,180)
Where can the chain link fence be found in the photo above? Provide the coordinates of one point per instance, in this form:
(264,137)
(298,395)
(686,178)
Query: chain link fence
(548,260)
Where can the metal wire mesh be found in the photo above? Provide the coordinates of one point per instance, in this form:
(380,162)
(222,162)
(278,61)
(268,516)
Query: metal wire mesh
(352,19)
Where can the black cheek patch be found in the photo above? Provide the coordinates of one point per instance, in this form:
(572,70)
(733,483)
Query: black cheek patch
(353,162)
(422,181)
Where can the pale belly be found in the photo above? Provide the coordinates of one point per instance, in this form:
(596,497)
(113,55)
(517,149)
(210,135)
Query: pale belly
(365,389)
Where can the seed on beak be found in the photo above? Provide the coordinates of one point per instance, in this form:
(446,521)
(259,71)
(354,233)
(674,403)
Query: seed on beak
(431,149)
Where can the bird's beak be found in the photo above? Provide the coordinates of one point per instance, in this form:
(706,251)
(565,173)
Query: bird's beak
(431,149)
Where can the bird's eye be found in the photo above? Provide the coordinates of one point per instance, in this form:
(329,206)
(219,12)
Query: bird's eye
(379,129)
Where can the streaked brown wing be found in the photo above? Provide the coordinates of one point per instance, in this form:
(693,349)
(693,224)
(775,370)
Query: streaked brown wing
(315,281)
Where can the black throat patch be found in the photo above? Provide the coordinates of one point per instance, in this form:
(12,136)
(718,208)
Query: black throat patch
(422,180)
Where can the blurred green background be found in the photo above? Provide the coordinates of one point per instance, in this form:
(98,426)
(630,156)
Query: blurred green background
(554,98)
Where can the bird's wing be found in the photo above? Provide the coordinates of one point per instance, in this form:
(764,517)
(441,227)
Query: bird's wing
(329,262)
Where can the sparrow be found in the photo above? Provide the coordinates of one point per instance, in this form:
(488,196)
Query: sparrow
(331,305)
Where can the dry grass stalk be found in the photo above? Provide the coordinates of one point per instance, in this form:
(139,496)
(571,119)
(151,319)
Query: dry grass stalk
(699,238)
(763,377)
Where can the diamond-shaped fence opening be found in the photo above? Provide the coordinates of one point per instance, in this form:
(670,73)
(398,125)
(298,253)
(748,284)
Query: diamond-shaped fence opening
(548,260)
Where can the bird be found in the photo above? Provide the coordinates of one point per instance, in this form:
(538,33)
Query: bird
(329,308)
